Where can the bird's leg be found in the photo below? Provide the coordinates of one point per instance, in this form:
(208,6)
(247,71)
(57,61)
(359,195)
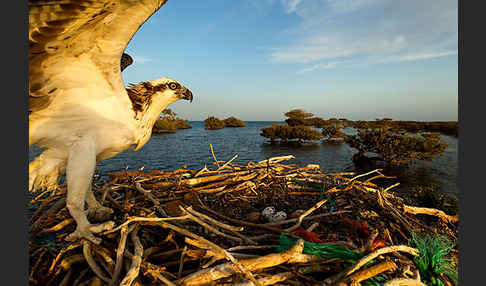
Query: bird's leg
(96,211)
(79,173)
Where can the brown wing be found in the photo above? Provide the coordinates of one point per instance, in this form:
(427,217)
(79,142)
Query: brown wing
(63,30)
(126,60)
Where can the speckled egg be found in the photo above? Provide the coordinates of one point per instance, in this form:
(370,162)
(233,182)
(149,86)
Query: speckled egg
(268,211)
(278,216)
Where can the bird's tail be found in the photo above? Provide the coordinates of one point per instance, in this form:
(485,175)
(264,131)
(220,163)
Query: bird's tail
(44,172)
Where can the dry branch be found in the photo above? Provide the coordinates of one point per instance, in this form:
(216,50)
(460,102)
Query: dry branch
(132,273)
(429,211)
(227,269)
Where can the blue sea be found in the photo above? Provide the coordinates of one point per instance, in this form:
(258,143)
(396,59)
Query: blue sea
(191,148)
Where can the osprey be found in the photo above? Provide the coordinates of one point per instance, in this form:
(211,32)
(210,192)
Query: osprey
(79,108)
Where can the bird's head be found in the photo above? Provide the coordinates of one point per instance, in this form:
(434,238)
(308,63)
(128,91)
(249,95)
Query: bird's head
(157,94)
(170,89)
(149,98)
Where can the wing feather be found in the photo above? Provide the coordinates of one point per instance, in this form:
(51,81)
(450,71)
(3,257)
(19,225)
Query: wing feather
(61,31)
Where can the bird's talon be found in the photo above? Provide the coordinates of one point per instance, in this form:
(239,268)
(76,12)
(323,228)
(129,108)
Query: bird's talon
(99,214)
(79,234)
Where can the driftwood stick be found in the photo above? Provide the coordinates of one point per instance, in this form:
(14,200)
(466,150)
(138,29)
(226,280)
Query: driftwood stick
(136,260)
(146,219)
(372,271)
(241,268)
(275,160)
(213,221)
(394,248)
(61,253)
(404,282)
(214,156)
(365,174)
(202,171)
(92,263)
(430,211)
(106,255)
(80,276)
(156,274)
(306,213)
(181,261)
(59,226)
(241,222)
(216,253)
(119,255)
(381,251)
(227,163)
(227,269)
(147,194)
(232,229)
(67,277)
(268,280)
(390,187)
(305,218)
(286,275)
(33,269)
(251,247)
(208,227)
(68,262)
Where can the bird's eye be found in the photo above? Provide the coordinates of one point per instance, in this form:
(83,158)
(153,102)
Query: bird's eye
(173,85)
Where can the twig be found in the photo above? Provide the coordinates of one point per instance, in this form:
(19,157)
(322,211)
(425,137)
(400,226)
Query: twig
(306,213)
(232,229)
(365,174)
(430,211)
(305,218)
(227,163)
(218,223)
(372,271)
(390,187)
(59,226)
(146,219)
(119,255)
(245,223)
(208,227)
(136,260)
(155,273)
(381,251)
(214,157)
(251,247)
(268,280)
(92,263)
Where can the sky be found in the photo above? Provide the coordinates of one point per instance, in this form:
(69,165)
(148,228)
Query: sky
(257,59)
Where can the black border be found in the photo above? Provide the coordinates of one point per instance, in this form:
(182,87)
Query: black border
(15,49)
(471,174)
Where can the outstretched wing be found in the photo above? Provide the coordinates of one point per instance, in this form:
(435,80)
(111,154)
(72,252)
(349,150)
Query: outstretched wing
(63,31)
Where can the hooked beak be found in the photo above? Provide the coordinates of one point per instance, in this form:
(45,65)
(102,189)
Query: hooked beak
(188,95)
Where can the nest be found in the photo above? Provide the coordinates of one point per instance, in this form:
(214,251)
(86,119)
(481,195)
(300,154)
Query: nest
(205,227)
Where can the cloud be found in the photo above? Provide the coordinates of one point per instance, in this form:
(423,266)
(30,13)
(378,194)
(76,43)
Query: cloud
(346,6)
(330,65)
(261,5)
(290,5)
(420,56)
(371,31)
(141,60)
